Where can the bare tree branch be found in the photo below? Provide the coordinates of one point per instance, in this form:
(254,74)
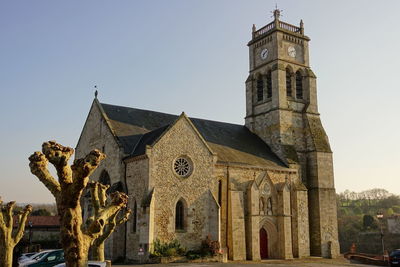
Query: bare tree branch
(98,196)
(8,214)
(38,165)
(59,156)
(21,223)
(83,168)
(7,239)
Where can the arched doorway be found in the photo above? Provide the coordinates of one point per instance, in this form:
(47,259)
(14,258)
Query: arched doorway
(263,244)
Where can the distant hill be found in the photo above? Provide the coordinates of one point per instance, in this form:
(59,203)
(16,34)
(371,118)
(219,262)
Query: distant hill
(358,222)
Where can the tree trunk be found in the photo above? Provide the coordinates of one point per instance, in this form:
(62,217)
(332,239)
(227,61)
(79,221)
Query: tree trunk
(6,256)
(98,251)
(74,242)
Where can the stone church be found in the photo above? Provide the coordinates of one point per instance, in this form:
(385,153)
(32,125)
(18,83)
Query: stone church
(263,190)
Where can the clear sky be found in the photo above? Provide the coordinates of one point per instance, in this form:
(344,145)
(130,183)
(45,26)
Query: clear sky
(191,56)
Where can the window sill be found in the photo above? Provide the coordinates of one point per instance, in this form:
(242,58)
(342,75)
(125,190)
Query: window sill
(264,101)
(299,100)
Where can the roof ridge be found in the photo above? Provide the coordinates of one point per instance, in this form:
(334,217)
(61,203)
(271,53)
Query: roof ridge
(160,112)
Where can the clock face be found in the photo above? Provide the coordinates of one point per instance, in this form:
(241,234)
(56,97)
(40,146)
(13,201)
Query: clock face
(291,51)
(264,53)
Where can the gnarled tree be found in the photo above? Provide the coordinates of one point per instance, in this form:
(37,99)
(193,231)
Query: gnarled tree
(99,203)
(8,237)
(76,237)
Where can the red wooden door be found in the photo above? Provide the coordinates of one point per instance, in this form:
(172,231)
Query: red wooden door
(263,244)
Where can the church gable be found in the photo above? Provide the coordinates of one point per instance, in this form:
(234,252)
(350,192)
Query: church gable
(181,174)
(96,132)
(184,124)
(177,145)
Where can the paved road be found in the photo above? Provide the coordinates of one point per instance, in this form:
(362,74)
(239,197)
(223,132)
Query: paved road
(294,263)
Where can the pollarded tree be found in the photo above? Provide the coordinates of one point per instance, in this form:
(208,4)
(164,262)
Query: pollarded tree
(76,237)
(98,192)
(8,238)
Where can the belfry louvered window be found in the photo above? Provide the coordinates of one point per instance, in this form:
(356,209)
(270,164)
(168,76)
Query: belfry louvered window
(299,85)
(288,83)
(269,84)
(260,89)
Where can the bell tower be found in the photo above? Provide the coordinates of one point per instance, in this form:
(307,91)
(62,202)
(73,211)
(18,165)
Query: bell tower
(282,109)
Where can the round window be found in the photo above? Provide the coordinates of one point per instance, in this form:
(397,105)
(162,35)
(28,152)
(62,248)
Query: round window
(183,167)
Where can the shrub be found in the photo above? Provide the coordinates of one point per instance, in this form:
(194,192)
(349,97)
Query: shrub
(168,249)
(210,247)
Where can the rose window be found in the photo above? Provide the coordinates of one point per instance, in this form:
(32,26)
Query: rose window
(182,167)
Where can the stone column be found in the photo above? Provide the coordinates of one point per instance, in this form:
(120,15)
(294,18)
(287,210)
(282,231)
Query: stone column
(284,223)
(237,240)
(252,223)
(300,226)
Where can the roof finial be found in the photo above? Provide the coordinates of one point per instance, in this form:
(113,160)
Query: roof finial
(95,92)
(254,28)
(301,26)
(277,12)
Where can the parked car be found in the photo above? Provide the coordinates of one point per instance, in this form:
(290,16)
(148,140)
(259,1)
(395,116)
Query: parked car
(26,256)
(36,256)
(394,258)
(47,259)
(90,264)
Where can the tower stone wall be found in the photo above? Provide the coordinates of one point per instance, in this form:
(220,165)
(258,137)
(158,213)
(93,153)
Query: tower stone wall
(281,108)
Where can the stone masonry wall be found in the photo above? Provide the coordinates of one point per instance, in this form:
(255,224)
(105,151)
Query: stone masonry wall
(240,180)
(182,140)
(97,135)
(137,173)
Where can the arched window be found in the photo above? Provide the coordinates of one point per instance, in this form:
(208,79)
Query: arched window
(260,89)
(262,206)
(269,206)
(299,85)
(134,219)
(105,178)
(179,216)
(288,83)
(269,84)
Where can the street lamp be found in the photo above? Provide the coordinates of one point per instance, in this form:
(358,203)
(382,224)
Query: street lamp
(379,215)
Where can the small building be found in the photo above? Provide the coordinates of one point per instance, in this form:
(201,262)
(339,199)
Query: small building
(43,231)
(393,224)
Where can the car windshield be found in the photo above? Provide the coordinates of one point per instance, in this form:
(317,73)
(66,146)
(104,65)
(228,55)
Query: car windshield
(395,253)
(39,255)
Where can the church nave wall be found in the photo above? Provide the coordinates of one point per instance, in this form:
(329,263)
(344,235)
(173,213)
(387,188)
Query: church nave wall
(193,190)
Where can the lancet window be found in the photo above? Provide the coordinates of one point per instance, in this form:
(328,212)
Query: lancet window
(269,84)
(288,82)
(299,85)
(260,89)
(179,216)
(269,206)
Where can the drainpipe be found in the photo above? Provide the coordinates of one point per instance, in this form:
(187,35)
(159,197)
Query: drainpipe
(125,224)
(227,211)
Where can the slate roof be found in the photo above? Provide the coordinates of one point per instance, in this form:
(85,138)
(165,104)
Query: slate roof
(136,128)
